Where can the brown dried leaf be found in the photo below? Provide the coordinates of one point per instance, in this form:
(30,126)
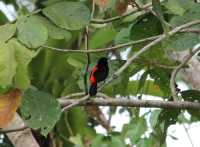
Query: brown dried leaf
(121,7)
(102,3)
(9,103)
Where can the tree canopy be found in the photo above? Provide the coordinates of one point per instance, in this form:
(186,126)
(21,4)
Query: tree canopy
(47,53)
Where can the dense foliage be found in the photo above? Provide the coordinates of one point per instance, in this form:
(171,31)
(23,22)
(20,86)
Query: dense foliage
(45,53)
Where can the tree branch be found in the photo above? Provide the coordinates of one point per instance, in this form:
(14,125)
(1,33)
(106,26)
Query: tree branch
(129,61)
(124,15)
(135,103)
(174,73)
(194,30)
(144,49)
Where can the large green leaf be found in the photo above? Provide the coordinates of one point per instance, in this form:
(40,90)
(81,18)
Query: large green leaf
(183,41)
(8,65)
(142,81)
(7,31)
(3,19)
(145,142)
(192,96)
(117,141)
(123,36)
(69,15)
(54,31)
(161,79)
(31,32)
(23,58)
(135,130)
(147,26)
(178,7)
(166,118)
(97,141)
(40,110)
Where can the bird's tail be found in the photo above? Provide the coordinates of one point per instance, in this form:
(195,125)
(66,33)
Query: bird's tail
(93,89)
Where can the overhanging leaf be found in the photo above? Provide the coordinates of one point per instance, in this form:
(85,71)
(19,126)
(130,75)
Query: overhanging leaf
(53,30)
(178,7)
(147,26)
(117,141)
(9,103)
(166,118)
(31,32)
(192,96)
(40,110)
(161,78)
(8,65)
(7,31)
(183,41)
(23,58)
(68,15)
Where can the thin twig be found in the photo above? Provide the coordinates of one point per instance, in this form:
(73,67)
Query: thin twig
(129,61)
(194,30)
(14,130)
(105,49)
(75,103)
(124,15)
(67,123)
(144,49)
(88,60)
(186,130)
(174,73)
(73,95)
(134,103)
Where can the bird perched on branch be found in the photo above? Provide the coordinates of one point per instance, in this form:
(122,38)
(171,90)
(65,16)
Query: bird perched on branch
(98,74)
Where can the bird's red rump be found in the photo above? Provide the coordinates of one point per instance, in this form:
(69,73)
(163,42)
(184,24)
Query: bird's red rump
(92,79)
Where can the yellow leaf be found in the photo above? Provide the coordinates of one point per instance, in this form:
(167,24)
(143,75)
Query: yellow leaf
(9,103)
(102,3)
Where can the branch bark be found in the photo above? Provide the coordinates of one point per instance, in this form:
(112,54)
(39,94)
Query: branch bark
(20,138)
(134,103)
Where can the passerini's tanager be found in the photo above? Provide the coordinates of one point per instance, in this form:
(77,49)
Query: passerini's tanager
(98,74)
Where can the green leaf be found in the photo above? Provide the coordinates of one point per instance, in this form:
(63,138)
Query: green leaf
(154,117)
(102,141)
(123,36)
(166,118)
(97,141)
(144,142)
(178,7)
(69,15)
(76,140)
(135,130)
(54,31)
(3,19)
(192,96)
(142,81)
(40,110)
(183,41)
(147,26)
(117,141)
(8,65)
(158,10)
(31,32)
(7,31)
(162,79)
(23,58)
